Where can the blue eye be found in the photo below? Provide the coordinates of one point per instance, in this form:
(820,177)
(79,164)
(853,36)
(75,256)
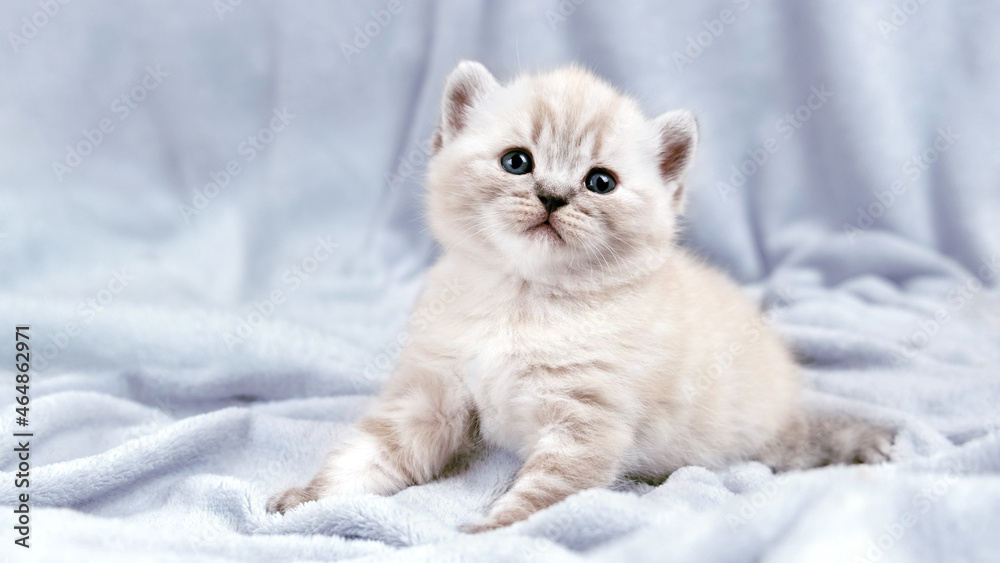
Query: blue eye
(600,181)
(517,161)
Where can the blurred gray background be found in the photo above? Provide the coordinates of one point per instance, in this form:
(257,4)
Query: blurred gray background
(363,106)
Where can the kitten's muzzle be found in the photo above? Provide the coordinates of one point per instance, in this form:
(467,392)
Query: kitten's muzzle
(551,202)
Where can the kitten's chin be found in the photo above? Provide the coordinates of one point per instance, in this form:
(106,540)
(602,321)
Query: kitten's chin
(536,253)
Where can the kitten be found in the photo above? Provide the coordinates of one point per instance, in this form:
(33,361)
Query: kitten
(578,334)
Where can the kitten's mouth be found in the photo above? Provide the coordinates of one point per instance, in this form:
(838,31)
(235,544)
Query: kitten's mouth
(545,231)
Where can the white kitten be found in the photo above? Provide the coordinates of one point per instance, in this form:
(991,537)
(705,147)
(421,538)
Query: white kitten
(577,334)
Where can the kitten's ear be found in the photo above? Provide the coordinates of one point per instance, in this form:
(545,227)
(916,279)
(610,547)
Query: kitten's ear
(469,83)
(677,133)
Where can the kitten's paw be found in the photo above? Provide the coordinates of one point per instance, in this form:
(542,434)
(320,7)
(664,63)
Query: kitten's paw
(496,519)
(478,527)
(288,500)
(876,446)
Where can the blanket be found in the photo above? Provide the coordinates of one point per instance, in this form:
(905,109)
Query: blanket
(213,231)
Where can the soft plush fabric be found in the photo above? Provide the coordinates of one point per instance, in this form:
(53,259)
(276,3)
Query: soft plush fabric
(210,313)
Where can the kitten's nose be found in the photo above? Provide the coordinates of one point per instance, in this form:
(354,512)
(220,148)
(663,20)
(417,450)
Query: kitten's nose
(551,202)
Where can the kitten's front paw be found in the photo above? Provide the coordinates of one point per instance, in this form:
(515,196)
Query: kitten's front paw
(288,500)
(478,527)
(496,519)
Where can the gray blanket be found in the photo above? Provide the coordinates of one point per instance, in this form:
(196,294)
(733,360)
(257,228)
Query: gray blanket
(212,224)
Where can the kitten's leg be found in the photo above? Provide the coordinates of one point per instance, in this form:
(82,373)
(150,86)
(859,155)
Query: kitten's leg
(421,421)
(816,439)
(581,449)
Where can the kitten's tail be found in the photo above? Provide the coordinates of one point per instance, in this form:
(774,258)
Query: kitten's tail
(817,439)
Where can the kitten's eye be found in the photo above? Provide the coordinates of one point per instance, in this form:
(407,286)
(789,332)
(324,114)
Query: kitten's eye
(517,161)
(600,181)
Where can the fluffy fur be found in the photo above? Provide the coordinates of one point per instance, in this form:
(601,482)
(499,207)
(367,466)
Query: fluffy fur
(579,336)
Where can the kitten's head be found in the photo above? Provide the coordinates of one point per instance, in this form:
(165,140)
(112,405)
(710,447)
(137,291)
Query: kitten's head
(555,175)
